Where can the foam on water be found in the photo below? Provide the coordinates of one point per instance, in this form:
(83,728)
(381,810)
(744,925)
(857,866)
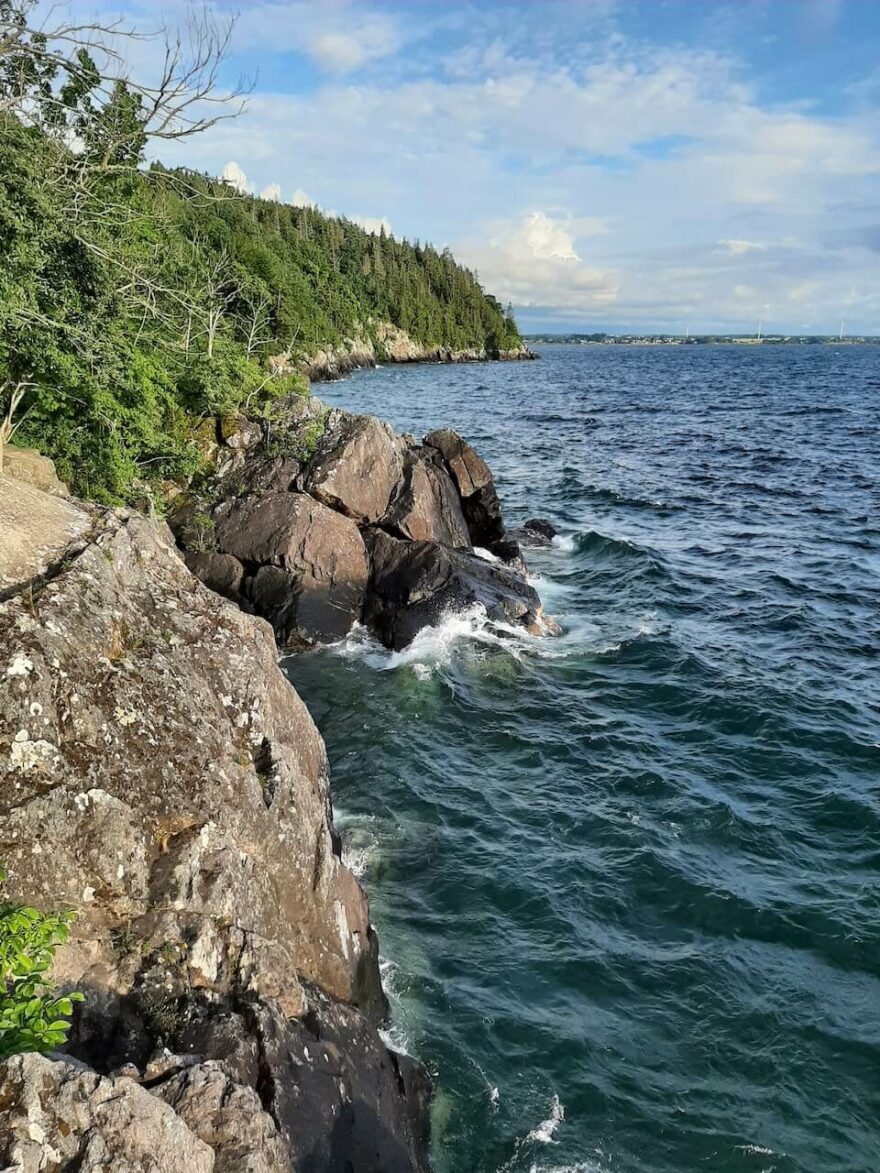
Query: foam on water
(543,1134)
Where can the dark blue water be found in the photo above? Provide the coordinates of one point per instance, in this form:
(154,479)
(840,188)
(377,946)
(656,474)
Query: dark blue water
(637,868)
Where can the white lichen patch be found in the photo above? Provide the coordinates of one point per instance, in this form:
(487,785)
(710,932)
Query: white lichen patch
(126,716)
(27,755)
(20,665)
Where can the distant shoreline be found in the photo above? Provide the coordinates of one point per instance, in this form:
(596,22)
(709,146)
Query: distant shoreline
(699,340)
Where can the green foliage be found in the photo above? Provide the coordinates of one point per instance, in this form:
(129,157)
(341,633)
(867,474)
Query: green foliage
(139,301)
(31,1017)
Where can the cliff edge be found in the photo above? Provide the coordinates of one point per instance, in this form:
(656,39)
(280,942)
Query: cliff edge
(161,777)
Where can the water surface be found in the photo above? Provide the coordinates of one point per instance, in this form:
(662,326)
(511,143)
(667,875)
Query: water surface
(636,868)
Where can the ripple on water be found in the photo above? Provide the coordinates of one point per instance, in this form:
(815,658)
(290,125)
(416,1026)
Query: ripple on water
(634,868)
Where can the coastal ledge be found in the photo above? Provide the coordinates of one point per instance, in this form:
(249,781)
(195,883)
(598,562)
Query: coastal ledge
(162,779)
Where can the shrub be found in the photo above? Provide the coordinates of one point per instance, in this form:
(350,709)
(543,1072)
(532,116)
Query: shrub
(31,1017)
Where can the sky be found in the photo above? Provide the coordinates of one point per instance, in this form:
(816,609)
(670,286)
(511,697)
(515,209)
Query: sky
(622,165)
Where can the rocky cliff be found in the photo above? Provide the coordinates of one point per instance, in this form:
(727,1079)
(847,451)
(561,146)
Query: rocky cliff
(159,776)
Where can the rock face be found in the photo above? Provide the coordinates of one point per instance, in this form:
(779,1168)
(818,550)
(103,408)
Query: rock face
(342,521)
(160,776)
(475,485)
(356,469)
(385,342)
(426,507)
(307,566)
(60,1116)
(23,464)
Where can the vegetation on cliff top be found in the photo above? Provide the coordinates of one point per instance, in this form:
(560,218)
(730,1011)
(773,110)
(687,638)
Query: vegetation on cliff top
(135,301)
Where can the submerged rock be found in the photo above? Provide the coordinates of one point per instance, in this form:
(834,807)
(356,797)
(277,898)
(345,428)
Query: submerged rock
(537,532)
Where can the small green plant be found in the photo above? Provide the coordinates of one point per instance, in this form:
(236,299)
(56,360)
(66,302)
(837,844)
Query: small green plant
(31,1017)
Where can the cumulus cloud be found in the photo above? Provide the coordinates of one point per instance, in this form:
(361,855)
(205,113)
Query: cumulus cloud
(632,181)
(272,191)
(302,199)
(236,178)
(532,261)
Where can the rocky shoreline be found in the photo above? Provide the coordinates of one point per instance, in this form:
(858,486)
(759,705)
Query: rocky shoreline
(163,780)
(386,343)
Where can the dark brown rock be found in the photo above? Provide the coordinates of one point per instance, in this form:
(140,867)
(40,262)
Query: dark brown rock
(426,507)
(307,564)
(475,485)
(416,584)
(536,532)
(220,572)
(356,468)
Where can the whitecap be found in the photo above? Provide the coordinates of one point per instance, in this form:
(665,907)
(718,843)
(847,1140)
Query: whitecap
(393,1034)
(543,1134)
(564,542)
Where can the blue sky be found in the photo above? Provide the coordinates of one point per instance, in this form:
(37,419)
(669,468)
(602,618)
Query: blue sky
(619,164)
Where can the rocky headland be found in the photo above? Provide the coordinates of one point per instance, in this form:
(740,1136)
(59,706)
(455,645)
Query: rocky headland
(383,342)
(163,780)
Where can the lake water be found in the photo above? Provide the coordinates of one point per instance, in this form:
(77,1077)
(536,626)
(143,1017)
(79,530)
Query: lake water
(626,881)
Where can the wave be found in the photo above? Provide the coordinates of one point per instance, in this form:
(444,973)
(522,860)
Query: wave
(604,546)
(393,1034)
(543,1134)
(435,646)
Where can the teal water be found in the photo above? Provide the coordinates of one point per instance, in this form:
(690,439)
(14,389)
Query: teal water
(636,868)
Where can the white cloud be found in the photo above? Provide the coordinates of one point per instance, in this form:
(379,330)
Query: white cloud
(236,178)
(532,262)
(302,199)
(738,248)
(339,37)
(657,171)
(540,237)
(271,192)
(373,224)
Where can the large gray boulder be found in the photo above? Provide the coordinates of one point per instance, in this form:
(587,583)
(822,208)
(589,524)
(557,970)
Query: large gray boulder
(306,564)
(475,485)
(356,468)
(414,585)
(59,1116)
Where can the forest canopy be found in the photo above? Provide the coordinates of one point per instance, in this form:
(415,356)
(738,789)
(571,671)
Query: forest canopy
(136,300)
